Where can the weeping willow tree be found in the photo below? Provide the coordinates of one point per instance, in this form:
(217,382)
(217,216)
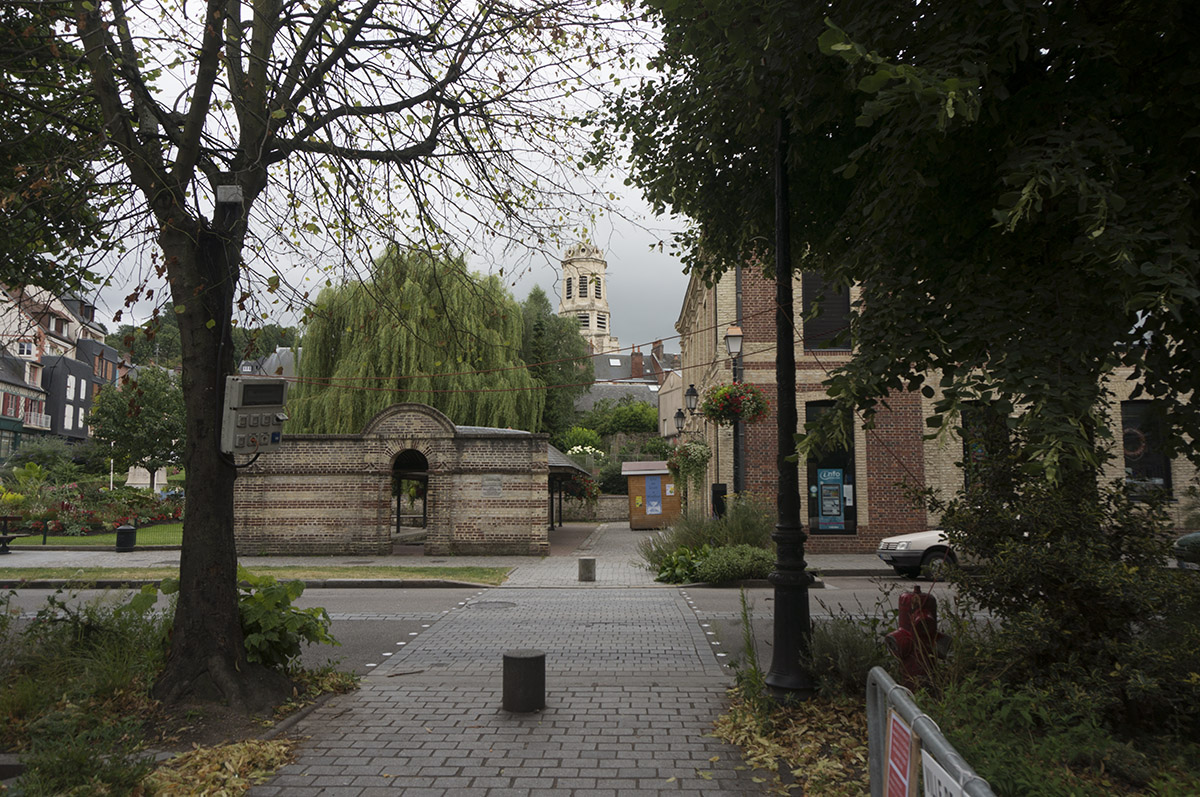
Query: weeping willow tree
(422,329)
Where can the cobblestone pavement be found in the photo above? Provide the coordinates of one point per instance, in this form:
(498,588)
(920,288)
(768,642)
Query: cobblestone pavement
(633,685)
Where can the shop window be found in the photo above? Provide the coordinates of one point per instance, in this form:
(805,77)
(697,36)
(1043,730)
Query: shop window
(831,502)
(1147,467)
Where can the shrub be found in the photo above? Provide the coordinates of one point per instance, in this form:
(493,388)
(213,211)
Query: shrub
(272,627)
(1083,596)
(682,565)
(735,563)
(843,651)
(747,521)
(611,481)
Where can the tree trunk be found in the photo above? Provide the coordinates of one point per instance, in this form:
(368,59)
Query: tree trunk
(207,660)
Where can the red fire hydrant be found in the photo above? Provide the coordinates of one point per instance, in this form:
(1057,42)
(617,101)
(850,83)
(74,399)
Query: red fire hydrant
(917,643)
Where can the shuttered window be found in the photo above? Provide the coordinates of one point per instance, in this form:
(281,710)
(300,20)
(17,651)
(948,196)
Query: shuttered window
(830,329)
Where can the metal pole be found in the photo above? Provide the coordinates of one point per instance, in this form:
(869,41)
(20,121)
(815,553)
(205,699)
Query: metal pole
(793,630)
(739,429)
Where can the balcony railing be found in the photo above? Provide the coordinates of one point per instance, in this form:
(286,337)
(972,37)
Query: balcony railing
(37,420)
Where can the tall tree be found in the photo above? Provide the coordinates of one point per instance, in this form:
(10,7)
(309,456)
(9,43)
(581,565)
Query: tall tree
(51,195)
(557,357)
(143,420)
(154,342)
(1013,186)
(421,329)
(286,123)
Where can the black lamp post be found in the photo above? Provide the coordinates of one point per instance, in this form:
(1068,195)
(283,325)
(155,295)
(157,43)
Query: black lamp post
(679,421)
(733,344)
(788,678)
(691,398)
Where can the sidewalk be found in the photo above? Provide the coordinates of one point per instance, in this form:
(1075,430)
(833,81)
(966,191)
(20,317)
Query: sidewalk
(616,556)
(632,690)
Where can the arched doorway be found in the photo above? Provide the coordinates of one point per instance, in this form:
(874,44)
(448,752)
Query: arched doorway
(410,490)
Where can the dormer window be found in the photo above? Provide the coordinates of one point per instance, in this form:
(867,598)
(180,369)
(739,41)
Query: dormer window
(60,326)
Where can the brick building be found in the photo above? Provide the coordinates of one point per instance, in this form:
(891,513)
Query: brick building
(865,486)
(485,490)
(883,463)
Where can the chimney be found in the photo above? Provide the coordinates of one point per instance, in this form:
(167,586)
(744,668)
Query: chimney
(635,364)
(656,358)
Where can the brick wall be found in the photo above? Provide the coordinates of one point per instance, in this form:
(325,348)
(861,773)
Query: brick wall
(331,494)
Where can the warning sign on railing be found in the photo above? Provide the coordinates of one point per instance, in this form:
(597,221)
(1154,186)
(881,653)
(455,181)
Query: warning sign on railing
(901,755)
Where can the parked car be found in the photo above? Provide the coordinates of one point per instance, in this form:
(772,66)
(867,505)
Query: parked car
(1187,551)
(922,553)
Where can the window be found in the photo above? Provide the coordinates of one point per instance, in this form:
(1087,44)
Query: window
(830,329)
(69,418)
(831,506)
(614,362)
(1147,468)
(984,438)
(34,374)
(83,390)
(584,321)
(12,405)
(60,326)
(583,280)
(82,419)
(601,321)
(569,287)
(24,348)
(597,287)
(70,387)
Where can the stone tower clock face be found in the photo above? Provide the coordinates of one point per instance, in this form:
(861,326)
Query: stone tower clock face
(584,296)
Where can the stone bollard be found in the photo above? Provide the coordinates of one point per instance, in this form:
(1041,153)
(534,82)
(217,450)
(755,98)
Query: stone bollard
(587,569)
(524,681)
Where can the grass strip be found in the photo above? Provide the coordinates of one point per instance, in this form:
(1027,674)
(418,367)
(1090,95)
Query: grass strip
(83,575)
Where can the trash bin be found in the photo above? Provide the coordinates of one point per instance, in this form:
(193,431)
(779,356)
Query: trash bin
(126,538)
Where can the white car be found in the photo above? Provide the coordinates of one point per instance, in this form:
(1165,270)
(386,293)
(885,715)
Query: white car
(922,553)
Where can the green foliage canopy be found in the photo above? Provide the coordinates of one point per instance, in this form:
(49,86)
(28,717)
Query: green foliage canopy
(1013,186)
(557,357)
(143,421)
(626,414)
(420,330)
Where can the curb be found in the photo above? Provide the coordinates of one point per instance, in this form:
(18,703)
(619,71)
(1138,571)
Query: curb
(331,583)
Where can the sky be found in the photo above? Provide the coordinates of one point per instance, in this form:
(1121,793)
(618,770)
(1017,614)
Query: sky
(645,288)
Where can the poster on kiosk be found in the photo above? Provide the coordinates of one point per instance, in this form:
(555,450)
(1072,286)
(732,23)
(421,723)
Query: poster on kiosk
(832,509)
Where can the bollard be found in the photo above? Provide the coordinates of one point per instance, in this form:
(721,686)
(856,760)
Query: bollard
(524,681)
(587,569)
(126,538)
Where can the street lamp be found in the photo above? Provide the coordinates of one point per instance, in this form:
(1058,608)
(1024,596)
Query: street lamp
(691,397)
(679,420)
(733,345)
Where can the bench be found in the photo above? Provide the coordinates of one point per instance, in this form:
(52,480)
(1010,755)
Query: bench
(5,539)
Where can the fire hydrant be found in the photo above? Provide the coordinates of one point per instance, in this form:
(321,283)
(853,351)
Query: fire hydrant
(917,643)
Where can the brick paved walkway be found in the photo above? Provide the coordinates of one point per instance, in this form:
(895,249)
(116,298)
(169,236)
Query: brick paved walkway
(633,684)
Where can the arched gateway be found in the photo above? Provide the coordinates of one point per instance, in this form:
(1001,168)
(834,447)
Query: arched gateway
(485,490)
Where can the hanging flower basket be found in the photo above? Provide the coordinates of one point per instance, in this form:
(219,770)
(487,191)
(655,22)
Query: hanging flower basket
(738,401)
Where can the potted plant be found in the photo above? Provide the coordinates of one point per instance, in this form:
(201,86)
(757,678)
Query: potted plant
(737,401)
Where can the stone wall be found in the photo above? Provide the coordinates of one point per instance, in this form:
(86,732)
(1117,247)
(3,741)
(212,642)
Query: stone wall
(607,509)
(332,494)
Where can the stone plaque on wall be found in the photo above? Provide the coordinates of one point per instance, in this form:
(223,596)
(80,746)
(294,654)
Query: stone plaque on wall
(492,486)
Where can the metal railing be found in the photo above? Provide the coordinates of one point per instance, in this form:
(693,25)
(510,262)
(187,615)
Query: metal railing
(37,420)
(883,693)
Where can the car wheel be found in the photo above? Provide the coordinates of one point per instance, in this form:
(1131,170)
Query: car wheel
(908,572)
(935,564)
